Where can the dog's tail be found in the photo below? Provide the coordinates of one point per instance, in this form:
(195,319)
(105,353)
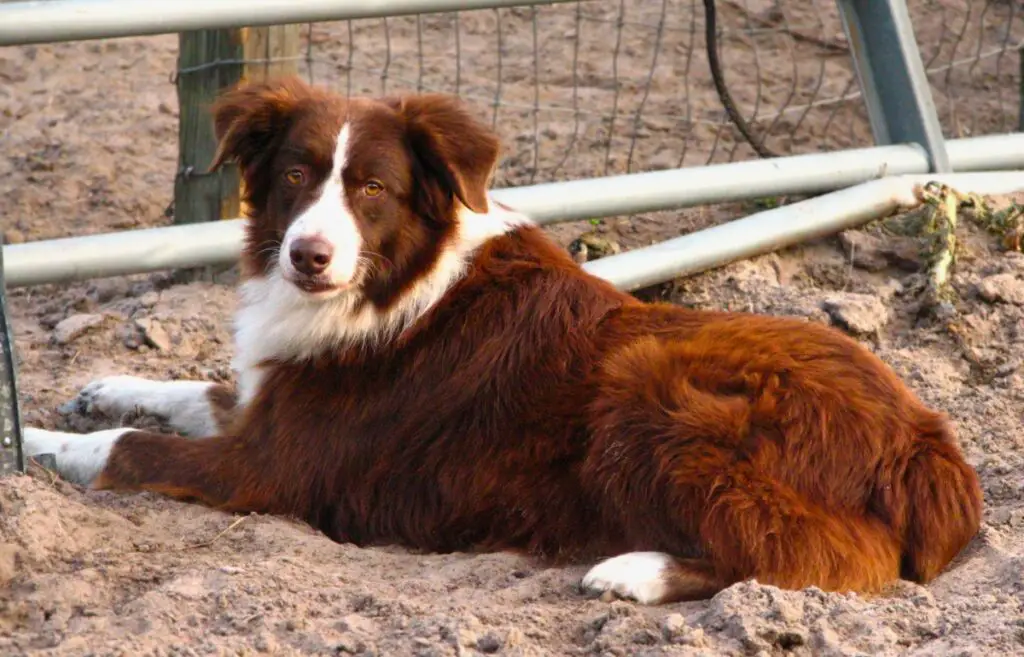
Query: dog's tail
(941,500)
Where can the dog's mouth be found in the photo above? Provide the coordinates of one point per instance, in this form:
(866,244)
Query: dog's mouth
(316,285)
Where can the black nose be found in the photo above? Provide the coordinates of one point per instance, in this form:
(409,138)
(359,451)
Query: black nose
(311,255)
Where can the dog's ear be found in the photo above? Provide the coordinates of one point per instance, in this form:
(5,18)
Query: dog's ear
(250,117)
(455,148)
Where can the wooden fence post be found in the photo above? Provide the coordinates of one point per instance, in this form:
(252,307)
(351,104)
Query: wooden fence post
(208,62)
(1020,96)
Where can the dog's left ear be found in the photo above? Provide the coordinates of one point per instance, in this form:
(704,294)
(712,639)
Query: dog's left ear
(455,147)
(250,118)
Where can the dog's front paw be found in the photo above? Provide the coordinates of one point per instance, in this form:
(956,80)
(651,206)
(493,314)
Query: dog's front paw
(40,441)
(112,396)
(79,457)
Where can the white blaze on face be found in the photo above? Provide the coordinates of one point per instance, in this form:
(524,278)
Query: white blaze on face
(329,218)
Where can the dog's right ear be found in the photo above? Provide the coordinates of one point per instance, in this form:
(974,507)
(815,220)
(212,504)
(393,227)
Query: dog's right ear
(248,118)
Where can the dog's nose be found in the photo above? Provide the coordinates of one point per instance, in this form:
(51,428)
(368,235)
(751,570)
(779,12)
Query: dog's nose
(311,255)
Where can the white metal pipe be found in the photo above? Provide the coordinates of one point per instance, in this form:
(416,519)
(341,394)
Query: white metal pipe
(986,153)
(196,245)
(692,186)
(774,229)
(126,252)
(72,20)
(193,245)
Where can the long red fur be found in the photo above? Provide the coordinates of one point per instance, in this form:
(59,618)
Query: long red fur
(536,408)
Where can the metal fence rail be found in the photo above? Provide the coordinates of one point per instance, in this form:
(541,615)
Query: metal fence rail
(220,242)
(28,22)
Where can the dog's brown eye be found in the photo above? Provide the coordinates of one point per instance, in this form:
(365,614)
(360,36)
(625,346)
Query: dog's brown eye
(373,188)
(295,176)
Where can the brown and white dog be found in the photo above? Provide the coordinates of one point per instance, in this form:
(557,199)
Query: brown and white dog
(420,365)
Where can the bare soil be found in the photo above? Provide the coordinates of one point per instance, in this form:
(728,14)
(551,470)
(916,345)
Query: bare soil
(88,144)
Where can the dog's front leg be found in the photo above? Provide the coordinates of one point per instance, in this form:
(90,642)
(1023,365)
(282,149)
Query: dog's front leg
(213,471)
(195,408)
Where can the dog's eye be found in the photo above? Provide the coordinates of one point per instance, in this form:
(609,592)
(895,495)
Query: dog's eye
(295,176)
(373,188)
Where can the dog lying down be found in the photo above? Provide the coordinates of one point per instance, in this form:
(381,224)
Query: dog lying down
(420,365)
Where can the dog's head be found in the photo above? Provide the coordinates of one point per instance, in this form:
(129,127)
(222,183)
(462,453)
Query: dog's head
(359,197)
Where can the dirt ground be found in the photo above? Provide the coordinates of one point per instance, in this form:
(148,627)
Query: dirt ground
(88,144)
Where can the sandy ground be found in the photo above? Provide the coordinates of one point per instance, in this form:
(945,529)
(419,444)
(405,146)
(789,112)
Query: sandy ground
(88,144)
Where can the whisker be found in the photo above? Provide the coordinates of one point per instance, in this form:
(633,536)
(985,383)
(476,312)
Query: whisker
(369,264)
(272,260)
(372,254)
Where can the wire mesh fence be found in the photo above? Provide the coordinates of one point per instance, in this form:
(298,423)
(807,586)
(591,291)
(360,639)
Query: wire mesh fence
(611,86)
(972,52)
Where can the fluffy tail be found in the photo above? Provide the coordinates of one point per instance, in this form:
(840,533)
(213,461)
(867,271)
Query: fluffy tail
(942,498)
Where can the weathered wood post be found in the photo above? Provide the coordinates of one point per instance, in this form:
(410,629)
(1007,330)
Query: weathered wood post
(208,62)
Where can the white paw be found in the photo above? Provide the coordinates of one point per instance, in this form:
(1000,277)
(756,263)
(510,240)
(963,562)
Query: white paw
(115,395)
(640,576)
(80,457)
(184,404)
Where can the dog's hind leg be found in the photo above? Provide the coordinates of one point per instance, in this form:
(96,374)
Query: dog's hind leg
(678,463)
(757,529)
(195,408)
(754,527)
(653,578)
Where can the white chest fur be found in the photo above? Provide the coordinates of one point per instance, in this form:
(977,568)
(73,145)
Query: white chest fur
(277,322)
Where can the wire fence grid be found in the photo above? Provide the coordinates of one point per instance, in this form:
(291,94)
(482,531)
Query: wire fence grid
(600,87)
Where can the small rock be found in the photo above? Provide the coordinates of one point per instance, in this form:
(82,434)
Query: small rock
(790,639)
(944,311)
(350,646)
(488,644)
(359,624)
(154,334)
(694,638)
(70,329)
(786,611)
(861,314)
(824,639)
(51,320)
(106,290)
(645,637)
(130,335)
(673,626)
(598,622)
(149,299)
(1002,287)
(265,643)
